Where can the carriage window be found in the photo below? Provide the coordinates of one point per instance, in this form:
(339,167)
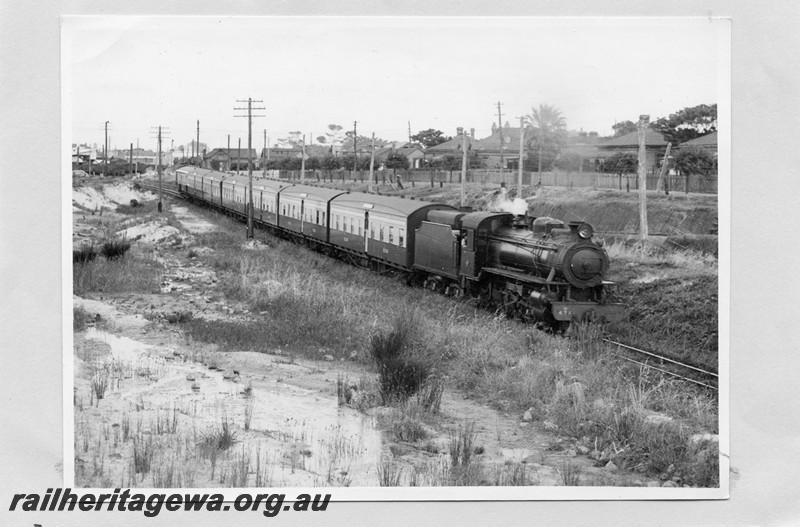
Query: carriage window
(391,234)
(317,218)
(360,226)
(337,221)
(323,219)
(400,237)
(381,233)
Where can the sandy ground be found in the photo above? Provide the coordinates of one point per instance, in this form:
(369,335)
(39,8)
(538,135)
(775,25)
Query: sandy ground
(174,394)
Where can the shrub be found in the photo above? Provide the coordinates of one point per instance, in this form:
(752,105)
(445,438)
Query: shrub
(400,373)
(85,254)
(114,249)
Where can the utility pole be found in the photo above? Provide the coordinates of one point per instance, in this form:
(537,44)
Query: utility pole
(409,132)
(303,160)
(521,143)
(105,153)
(130,161)
(642,130)
(355,136)
(249,164)
(229,153)
(500,130)
(372,163)
(158,167)
(463,166)
(238,156)
(198,142)
(664,167)
(264,173)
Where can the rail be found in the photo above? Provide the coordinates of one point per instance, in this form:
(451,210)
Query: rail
(701,371)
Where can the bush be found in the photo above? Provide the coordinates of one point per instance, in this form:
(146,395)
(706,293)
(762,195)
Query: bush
(113,249)
(85,254)
(400,373)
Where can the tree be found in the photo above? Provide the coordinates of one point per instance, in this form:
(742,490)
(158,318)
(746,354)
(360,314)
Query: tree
(430,137)
(294,140)
(333,137)
(690,160)
(624,128)
(620,163)
(549,132)
(688,123)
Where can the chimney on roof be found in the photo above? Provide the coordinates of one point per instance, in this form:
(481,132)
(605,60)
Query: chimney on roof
(494,128)
(460,131)
(472,133)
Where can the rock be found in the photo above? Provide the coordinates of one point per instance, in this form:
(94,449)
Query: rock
(524,425)
(595,454)
(353,355)
(611,466)
(527,416)
(652,484)
(328,358)
(670,483)
(195,387)
(572,452)
(191,377)
(229,375)
(582,450)
(550,425)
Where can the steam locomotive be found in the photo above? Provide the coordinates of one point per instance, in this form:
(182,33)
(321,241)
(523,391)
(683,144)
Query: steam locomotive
(536,269)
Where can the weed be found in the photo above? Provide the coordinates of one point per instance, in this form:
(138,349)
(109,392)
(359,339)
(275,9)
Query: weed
(143,453)
(570,474)
(100,384)
(179,317)
(115,249)
(461,445)
(430,394)
(248,411)
(400,373)
(409,429)
(85,254)
(390,473)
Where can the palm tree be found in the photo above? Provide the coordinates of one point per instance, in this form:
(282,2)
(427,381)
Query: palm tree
(550,129)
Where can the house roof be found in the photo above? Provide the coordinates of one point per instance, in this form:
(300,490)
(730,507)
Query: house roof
(704,140)
(453,144)
(651,138)
(232,152)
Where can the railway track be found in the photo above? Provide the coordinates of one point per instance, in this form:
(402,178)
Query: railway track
(665,365)
(693,374)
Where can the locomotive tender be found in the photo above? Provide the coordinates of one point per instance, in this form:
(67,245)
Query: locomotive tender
(536,269)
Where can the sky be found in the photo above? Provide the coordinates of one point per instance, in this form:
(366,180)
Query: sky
(385,73)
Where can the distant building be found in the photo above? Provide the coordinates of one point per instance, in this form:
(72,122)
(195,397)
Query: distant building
(655,147)
(226,159)
(708,141)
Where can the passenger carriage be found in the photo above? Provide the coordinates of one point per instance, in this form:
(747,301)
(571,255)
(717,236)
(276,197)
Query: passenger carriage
(381,227)
(305,210)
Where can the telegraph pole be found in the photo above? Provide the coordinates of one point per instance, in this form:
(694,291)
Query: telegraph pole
(372,162)
(158,167)
(264,173)
(463,166)
(229,153)
(105,153)
(409,132)
(238,156)
(500,130)
(355,136)
(198,142)
(521,143)
(303,160)
(130,161)
(249,164)
(642,129)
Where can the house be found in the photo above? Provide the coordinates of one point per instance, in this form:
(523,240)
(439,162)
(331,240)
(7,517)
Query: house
(453,147)
(226,159)
(655,147)
(501,149)
(708,141)
(83,153)
(414,154)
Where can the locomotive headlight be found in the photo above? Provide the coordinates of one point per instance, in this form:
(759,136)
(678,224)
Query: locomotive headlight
(585,231)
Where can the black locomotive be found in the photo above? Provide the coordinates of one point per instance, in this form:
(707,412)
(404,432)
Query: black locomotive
(536,269)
